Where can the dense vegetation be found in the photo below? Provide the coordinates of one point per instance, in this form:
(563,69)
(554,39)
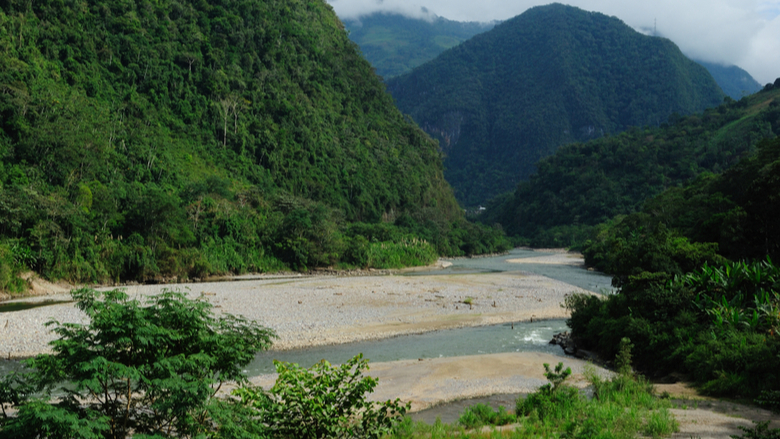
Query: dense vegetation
(154,371)
(685,302)
(586,184)
(395,44)
(555,74)
(150,140)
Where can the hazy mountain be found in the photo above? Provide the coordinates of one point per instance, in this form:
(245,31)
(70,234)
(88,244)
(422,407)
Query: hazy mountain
(734,81)
(555,74)
(395,44)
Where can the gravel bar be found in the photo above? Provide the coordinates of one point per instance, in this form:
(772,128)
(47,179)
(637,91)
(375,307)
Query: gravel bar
(322,310)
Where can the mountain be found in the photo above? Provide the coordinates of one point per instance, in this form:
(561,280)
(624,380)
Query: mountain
(734,81)
(584,184)
(150,140)
(395,44)
(555,74)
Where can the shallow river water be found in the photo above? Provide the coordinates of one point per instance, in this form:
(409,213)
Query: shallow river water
(517,337)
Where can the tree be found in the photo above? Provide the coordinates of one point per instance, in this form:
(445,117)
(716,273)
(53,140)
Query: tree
(150,370)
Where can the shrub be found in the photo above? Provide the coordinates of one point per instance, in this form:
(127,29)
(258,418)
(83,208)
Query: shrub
(322,402)
(482,414)
(150,369)
(553,400)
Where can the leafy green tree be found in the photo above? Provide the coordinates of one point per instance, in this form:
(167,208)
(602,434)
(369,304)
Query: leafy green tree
(143,369)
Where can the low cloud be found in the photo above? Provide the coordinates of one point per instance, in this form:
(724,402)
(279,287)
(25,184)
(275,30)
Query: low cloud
(741,32)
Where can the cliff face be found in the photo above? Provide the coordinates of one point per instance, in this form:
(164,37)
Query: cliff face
(556,74)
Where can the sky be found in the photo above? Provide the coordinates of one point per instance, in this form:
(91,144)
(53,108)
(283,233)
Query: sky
(745,33)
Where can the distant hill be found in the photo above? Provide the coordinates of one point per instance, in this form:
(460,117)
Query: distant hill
(584,184)
(395,44)
(177,139)
(555,74)
(734,81)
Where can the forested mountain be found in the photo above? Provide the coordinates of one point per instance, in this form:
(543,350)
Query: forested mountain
(141,140)
(585,184)
(395,44)
(553,75)
(734,81)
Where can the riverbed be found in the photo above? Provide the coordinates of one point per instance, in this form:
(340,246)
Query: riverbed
(498,309)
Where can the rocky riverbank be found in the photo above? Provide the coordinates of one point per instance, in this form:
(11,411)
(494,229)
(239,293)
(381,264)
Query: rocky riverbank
(321,310)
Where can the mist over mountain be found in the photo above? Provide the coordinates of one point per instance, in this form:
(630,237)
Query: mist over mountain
(395,44)
(555,74)
(734,81)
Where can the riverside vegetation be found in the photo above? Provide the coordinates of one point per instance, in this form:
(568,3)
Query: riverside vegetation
(621,407)
(698,288)
(178,139)
(154,371)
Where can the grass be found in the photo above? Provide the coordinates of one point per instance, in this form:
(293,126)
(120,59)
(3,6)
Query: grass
(622,407)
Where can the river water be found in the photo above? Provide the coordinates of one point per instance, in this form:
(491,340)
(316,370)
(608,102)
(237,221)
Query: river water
(517,337)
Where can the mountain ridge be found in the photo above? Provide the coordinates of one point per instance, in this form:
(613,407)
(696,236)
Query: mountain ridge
(553,75)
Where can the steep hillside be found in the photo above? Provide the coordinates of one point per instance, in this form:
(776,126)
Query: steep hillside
(395,44)
(144,139)
(555,74)
(585,184)
(734,81)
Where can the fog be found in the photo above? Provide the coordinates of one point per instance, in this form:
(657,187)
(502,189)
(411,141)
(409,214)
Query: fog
(741,32)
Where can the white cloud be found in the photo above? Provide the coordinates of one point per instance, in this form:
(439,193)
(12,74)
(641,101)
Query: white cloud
(741,32)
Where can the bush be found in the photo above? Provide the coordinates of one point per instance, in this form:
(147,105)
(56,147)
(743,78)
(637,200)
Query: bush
(553,400)
(322,402)
(150,369)
(717,324)
(482,414)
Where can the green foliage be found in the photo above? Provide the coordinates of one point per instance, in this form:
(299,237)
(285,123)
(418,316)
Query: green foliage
(552,399)
(683,228)
(10,269)
(622,407)
(759,431)
(482,414)
(146,369)
(717,324)
(159,140)
(503,100)
(625,248)
(323,401)
(585,184)
(623,357)
(770,399)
